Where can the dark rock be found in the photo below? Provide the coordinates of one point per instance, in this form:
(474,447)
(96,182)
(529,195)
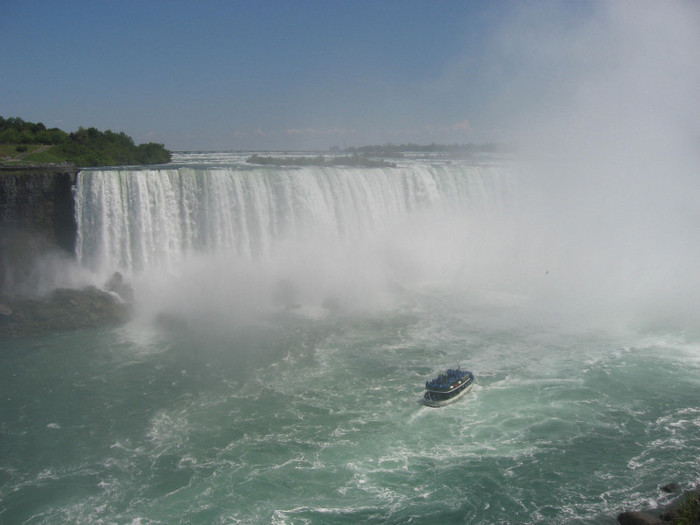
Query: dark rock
(40,198)
(670,516)
(670,488)
(671,513)
(20,252)
(64,309)
(638,518)
(117,285)
(36,218)
(691,500)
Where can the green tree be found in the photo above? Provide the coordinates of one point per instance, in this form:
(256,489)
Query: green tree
(84,147)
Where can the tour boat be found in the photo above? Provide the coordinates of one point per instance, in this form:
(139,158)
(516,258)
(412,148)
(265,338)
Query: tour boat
(447,387)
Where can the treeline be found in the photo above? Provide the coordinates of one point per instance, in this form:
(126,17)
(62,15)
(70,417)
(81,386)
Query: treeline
(14,130)
(396,150)
(85,147)
(91,147)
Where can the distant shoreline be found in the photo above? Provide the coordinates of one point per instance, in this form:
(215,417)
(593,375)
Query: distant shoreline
(320,160)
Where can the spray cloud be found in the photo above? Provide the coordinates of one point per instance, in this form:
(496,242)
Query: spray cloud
(606,108)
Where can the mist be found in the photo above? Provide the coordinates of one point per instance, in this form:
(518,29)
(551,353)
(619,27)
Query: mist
(600,232)
(606,110)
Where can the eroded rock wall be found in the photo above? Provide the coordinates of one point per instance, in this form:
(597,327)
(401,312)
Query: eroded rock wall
(36,217)
(41,200)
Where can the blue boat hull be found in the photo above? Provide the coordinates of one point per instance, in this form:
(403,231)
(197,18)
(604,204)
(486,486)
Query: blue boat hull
(437,398)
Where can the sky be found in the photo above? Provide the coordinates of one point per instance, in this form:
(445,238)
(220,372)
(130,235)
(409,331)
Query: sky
(310,75)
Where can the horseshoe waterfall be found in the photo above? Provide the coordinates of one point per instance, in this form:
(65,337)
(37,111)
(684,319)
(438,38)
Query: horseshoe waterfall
(286,318)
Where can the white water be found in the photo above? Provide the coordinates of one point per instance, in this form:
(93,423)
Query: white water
(135,219)
(213,234)
(570,289)
(287,320)
(223,230)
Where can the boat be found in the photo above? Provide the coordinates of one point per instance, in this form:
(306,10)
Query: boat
(447,387)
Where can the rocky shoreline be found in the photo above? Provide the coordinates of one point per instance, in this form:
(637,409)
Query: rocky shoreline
(673,513)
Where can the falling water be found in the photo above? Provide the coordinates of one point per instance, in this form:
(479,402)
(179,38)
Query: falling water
(131,219)
(286,322)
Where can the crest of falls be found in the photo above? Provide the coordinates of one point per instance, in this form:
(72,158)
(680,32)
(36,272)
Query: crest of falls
(137,219)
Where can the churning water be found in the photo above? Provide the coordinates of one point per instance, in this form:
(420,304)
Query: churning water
(286,321)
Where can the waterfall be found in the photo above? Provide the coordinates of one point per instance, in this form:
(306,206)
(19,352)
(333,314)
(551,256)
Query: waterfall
(133,219)
(204,237)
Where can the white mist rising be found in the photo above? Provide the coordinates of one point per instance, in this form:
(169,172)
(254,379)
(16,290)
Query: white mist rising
(607,109)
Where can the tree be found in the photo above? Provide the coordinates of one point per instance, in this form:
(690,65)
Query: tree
(86,146)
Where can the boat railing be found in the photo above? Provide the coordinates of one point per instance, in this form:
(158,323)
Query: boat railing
(449,382)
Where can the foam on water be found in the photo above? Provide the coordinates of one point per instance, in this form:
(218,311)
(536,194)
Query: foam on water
(334,420)
(288,320)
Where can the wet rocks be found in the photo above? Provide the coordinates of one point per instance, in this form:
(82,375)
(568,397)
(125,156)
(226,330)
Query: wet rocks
(638,518)
(63,309)
(118,285)
(670,515)
(670,488)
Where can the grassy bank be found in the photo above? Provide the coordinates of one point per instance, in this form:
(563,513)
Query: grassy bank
(10,156)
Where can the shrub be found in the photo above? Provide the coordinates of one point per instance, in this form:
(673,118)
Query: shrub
(689,512)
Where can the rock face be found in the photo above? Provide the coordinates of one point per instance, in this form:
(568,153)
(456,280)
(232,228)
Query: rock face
(638,518)
(672,513)
(63,309)
(37,220)
(36,217)
(118,285)
(40,199)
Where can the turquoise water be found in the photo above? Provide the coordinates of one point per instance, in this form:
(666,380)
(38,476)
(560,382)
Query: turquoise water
(286,321)
(304,420)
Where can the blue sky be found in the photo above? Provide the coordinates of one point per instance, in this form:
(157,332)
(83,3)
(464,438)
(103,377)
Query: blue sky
(209,75)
